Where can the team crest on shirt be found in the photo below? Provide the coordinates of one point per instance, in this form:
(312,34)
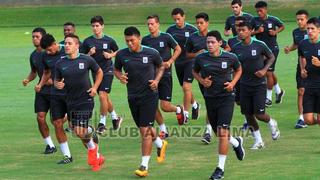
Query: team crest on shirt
(224,65)
(253,52)
(105,46)
(269,25)
(318,52)
(161,44)
(186,34)
(145,60)
(81,65)
(305,36)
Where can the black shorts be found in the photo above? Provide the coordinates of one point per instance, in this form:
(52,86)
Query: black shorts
(41,102)
(143,110)
(300,81)
(184,72)
(81,113)
(220,111)
(58,106)
(311,100)
(106,83)
(252,99)
(275,52)
(165,88)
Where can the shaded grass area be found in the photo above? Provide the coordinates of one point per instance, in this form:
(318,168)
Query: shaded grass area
(135,14)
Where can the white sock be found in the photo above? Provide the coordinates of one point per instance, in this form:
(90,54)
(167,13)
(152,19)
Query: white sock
(65,149)
(178,109)
(145,161)
(48,141)
(277,88)
(245,120)
(272,125)
(271,122)
(163,128)
(91,144)
(209,129)
(186,114)
(194,105)
(103,119)
(234,141)
(222,160)
(158,142)
(301,117)
(269,94)
(257,136)
(114,115)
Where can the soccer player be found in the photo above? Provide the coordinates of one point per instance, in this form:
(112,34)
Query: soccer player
(181,31)
(255,58)
(58,105)
(163,43)
(236,6)
(69,28)
(232,42)
(103,48)
(214,70)
(298,35)
(72,73)
(195,45)
(309,51)
(266,28)
(42,98)
(143,69)
(235,40)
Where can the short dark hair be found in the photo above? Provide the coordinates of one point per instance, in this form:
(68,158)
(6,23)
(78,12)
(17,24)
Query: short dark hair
(41,30)
(97,19)
(239,2)
(301,12)
(46,41)
(202,15)
(154,16)
(215,34)
(245,24)
(241,18)
(261,4)
(73,36)
(315,21)
(177,11)
(131,31)
(69,24)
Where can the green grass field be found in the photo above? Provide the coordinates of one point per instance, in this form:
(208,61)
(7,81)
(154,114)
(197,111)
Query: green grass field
(294,156)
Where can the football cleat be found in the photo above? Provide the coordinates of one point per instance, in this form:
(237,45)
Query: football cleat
(65,160)
(92,155)
(280,96)
(161,152)
(180,116)
(240,153)
(50,150)
(141,172)
(268,103)
(217,174)
(101,128)
(257,145)
(206,138)
(163,135)
(300,124)
(116,123)
(98,165)
(195,112)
